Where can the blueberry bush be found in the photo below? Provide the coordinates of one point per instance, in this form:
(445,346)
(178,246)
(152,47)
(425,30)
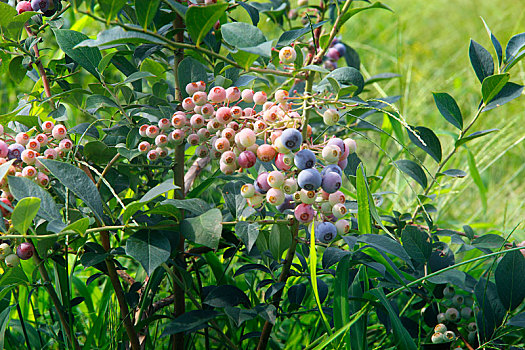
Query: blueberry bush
(216,175)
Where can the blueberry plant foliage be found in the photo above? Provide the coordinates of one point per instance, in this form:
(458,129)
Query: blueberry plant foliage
(177,177)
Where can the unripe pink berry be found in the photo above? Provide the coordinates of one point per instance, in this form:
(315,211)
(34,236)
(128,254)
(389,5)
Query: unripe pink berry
(290,186)
(203,134)
(217,94)
(350,144)
(275,179)
(22,138)
(207,110)
(222,144)
(281,96)
(50,153)
(342,226)
(23,6)
(192,88)
(248,112)
(178,121)
(200,98)
(196,121)
(161,140)
(336,197)
(228,157)
(29,172)
(247,137)
(275,196)
(47,126)
(188,104)
(65,144)
(42,139)
(260,97)
(246,159)
(228,133)
(164,124)
(177,136)
(233,94)
(227,169)
(333,54)
(224,115)
(247,190)
(152,131)
(59,132)
(28,156)
(4,150)
(266,153)
(143,129)
(247,95)
(287,55)
(304,213)
(260,126)
(152,155)
(144,146)
(202,151)
(193,139)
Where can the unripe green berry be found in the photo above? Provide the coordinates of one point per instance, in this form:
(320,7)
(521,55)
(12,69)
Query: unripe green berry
(467,313)
(440,328)
(441,317)
(330,117)
(5,250)
(12,260)
(472,337)
(449,336)
(472,327)
(452,314)
(437,338)
(449,292)
(458,300)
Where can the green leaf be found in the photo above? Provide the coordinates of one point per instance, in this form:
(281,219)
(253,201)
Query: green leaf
(417,244)
(290,36)
(252,11)
(509,279)
(489,241)
(98,101)
(11,23)
(150,248)
(515,44)
(432,145)
(495,43)
(4,168)
(4,321)
(385,244)
(314,68)
(161,188)
(189,321)
(492,85)
(87,57)
(518,320)
(190,71)
(346,76)
(341,305)
(80,226)
(457,173)
(492,310)
(235,202)
(17,71)
(352,12)
(280,240)
(22,187)
(413,170)
(24,213)
(226,295)
(401,336)
(474,135)
(509,92)
(146,11)
(238,315)
(79,183)
(448,108)
(117,35)
(474,174)
(364,219)
(205,229)
(194,205)
(110,8)
(98,152)
(481,60)
(200,20)
(241,35)
(248,233)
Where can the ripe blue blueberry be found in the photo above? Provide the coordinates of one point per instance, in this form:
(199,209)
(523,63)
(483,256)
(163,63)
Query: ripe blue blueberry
(304,159)
(331,182)
(287,204)
(325,232)
(332,168)
(291,138)
(15,151)
(261,184)
(341,48)
(309,179)
(41,5)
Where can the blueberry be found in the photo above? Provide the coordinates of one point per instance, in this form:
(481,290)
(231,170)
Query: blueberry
(291,138)
(287,204)
(261,184)
(341,48)
(15,151)
(304,159)
(309,179)
(332,168)
(331,182)
(41,5)
(325,232)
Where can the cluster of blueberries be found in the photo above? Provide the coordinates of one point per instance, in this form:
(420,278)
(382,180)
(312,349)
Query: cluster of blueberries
(44,6)
(307,176)
(452,316)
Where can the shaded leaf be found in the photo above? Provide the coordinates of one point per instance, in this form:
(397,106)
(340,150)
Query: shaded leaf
(417,244)
(474,135)
(189,321)
(481,60)
(200,19)
(509,279)
(280,240)
(248,233)
(87,57)
(146,10)
(290,36)
(149,248)
(432,145)
(515,44)
(226,295)
(205,229)
(492,85)
(448,108)
(509,92)
(413,170)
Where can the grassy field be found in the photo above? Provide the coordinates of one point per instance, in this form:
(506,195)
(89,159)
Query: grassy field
(427,44)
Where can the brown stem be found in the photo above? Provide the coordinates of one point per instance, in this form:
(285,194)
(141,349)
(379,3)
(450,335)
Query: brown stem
(267,328)
(123,305)
(56,301)
(41,70)
(106,169)
(193,172)
(177,340)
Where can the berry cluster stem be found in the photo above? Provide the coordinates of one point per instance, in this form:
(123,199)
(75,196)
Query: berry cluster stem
(267,328)
(177,340)
(306,110)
